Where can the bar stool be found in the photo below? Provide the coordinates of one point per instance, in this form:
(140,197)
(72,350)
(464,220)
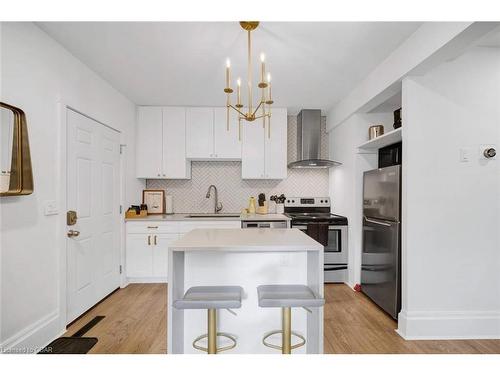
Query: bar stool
(212,298)
(286,297)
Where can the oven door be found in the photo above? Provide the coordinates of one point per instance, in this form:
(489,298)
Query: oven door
(335,253)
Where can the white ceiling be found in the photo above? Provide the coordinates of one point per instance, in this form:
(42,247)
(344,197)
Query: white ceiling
(313,65)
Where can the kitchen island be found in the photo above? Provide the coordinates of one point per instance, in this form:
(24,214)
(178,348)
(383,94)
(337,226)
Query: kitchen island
(248,258)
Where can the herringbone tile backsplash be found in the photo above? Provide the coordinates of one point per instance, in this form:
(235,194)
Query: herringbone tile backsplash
(189,195)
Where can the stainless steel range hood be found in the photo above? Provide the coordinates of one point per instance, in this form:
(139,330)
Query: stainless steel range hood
(309,141)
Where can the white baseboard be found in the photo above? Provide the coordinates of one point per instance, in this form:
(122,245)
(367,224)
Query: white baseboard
(146,280)
(34,337)
(449,325)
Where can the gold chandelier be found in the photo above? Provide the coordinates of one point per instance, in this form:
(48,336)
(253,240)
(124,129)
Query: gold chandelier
(252,113)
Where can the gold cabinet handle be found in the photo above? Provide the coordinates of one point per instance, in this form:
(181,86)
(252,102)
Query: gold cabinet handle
(149,240)
(155,240)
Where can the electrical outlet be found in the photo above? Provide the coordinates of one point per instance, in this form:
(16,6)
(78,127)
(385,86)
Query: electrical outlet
(50,208)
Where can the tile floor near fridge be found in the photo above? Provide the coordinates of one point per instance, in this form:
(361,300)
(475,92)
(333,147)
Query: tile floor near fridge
(136,322)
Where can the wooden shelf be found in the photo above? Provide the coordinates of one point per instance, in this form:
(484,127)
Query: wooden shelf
(390,138)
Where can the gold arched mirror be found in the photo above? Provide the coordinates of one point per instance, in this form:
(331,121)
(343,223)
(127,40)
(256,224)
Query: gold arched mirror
(16,176)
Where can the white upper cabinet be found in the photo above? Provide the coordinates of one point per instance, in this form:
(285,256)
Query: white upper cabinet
(265,157)
(161,143)
(149,145)
(253,150)
(227,145)
(276,144)
(199,133)
(168,138)
(175,165)
(208,137)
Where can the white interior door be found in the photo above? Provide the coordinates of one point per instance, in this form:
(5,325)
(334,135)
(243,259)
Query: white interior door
(93,191)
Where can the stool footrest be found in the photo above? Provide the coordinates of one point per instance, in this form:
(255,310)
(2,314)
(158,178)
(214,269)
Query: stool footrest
(219,334)
(298,345)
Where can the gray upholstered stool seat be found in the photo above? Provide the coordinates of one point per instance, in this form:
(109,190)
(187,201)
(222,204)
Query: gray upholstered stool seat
(211,297)
(288,296)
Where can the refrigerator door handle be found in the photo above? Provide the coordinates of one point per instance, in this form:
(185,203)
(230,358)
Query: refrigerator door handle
(380,222)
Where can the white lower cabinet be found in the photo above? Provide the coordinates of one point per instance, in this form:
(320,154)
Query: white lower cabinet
(160,254)
(147,246)
(139,259)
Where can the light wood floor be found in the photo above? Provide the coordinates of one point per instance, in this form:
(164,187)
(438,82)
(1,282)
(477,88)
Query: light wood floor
(136,322)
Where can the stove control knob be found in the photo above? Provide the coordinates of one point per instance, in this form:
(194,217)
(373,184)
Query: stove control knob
(321,201)
(293,201)
(288,201)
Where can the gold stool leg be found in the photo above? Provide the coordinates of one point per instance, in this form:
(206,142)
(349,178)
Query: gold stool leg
(212,331)
(286,337)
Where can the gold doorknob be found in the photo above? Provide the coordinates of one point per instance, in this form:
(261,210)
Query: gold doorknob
(73,233)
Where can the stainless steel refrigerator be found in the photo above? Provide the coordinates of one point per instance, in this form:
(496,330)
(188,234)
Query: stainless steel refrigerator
(381,256)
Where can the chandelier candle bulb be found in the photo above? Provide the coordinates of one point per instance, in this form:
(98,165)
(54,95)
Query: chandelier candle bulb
(262,83)
(238,83)
(270,95)
(228,72)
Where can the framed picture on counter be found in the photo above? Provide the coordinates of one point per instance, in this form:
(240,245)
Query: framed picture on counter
(155,200)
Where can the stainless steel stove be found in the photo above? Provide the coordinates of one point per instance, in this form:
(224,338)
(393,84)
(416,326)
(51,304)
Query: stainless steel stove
(312,216)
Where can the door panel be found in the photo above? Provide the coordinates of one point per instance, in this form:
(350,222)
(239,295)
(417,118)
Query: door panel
(175,164)
(380,266)
(276,145)
(252,150)
(160,253)
(381,193)
(199,133)
(139,255)
(227,143)
(93,157)
(149,142)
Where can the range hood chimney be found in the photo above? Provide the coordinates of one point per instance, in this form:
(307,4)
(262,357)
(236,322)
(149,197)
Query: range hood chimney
(309,141)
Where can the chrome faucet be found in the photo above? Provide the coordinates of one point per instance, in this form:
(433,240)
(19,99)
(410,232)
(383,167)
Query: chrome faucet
(217,205)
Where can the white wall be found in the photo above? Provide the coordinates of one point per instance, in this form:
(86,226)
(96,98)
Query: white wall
(346,181)
(37,73)
(451,210)
(430,45)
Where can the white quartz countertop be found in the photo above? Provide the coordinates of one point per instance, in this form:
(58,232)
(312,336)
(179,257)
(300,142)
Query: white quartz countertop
(246,240)
(185,217)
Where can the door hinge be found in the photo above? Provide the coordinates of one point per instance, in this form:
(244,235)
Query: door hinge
(121,148)
(121,208)
(121,270)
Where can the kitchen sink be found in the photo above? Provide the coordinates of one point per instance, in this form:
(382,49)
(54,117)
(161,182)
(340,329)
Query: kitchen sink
(212,215)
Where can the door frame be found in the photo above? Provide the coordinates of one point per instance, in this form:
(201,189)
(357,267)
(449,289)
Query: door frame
(62,109)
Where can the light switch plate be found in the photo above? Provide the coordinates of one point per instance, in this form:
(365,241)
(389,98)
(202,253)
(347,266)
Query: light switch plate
(465,154)
(50,208)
